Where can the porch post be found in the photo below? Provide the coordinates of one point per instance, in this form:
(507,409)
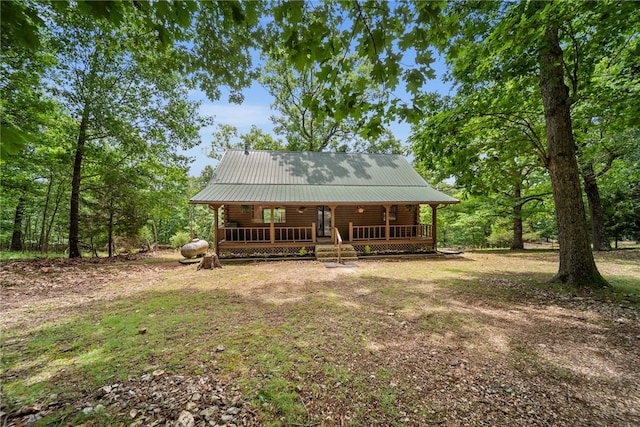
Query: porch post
(387,208)
(216,238)
(313,232)
(434,233)
(350,231)
(333,222)
(272,227)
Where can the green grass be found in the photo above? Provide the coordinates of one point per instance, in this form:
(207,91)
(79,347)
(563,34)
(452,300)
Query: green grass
(10,256)
(108,343)
(339,342)
(13,256)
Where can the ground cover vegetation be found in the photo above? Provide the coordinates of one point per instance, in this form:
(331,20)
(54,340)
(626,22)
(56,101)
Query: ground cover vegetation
(481,338)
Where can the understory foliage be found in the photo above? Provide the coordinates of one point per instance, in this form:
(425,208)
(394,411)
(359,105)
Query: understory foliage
(179,239)
(482,221)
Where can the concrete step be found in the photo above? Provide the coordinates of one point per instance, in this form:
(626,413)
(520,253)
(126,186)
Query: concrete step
(329,253)
(335,259)
(320,248)
(345,256)
(345,252)
(331,248)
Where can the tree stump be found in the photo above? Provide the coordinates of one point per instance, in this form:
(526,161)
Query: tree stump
(209,262)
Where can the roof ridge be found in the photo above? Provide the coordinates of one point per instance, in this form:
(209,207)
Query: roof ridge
(313,152)
(324,185)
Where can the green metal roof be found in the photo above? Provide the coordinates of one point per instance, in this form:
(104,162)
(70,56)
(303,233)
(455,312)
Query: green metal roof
(312,177)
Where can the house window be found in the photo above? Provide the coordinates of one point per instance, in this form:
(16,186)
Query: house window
(393,213)
(262,215)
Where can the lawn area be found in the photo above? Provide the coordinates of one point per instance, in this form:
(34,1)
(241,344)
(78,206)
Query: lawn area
(475,339)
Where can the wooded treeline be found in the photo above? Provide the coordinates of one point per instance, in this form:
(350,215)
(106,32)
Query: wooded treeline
(541,122)
(96,110)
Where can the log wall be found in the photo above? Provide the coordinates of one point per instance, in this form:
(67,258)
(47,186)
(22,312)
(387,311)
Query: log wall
(372,215)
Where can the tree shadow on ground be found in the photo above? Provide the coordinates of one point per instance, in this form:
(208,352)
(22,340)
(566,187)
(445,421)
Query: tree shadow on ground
(456,348)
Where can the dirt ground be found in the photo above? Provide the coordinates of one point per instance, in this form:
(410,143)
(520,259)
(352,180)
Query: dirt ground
(473,339)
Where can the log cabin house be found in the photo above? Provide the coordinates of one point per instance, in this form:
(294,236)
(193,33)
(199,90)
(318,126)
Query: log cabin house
(275,202)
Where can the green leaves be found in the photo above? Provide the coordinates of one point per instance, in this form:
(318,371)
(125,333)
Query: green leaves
(415,81)
(20,24)
(111,11)
(12,141)
(389,40)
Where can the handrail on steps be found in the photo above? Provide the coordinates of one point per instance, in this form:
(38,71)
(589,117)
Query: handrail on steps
(337,240)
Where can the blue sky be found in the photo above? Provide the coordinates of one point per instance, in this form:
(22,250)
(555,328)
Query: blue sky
(256,110)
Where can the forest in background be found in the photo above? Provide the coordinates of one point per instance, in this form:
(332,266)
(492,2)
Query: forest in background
(95,110)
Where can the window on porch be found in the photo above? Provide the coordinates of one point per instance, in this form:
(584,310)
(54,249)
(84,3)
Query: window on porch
(393,213)
(262,215)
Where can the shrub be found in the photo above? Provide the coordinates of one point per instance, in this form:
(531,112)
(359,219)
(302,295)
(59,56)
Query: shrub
(145,235)
(367,250)
(504,239)
(179,239)
(500,239)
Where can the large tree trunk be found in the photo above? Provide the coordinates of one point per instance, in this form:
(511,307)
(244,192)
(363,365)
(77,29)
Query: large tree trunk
(598,230)
(517,243)
(577,266)
(16,237)
(74,215)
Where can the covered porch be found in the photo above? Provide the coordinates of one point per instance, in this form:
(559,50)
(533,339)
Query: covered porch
(277,202)
(284,229)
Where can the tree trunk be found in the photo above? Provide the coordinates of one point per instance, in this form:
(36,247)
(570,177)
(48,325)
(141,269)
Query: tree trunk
(517,243)
(74,214)
(155,234)
(110,233)
(577,266)
(598,230)
(209,262)
(30,233)
(16,237)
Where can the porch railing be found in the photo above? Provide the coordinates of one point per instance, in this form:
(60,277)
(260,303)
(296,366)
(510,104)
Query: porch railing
(263,234)
(409,231)
(367,232)
(337,240)
(294,234)
(308,234)
(396,232)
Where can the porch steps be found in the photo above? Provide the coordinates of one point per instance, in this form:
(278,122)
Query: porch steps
(329,253)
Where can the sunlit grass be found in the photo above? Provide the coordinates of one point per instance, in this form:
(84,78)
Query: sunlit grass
(8,256)
(322,339)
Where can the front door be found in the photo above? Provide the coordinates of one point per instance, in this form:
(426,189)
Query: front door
(324,221)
